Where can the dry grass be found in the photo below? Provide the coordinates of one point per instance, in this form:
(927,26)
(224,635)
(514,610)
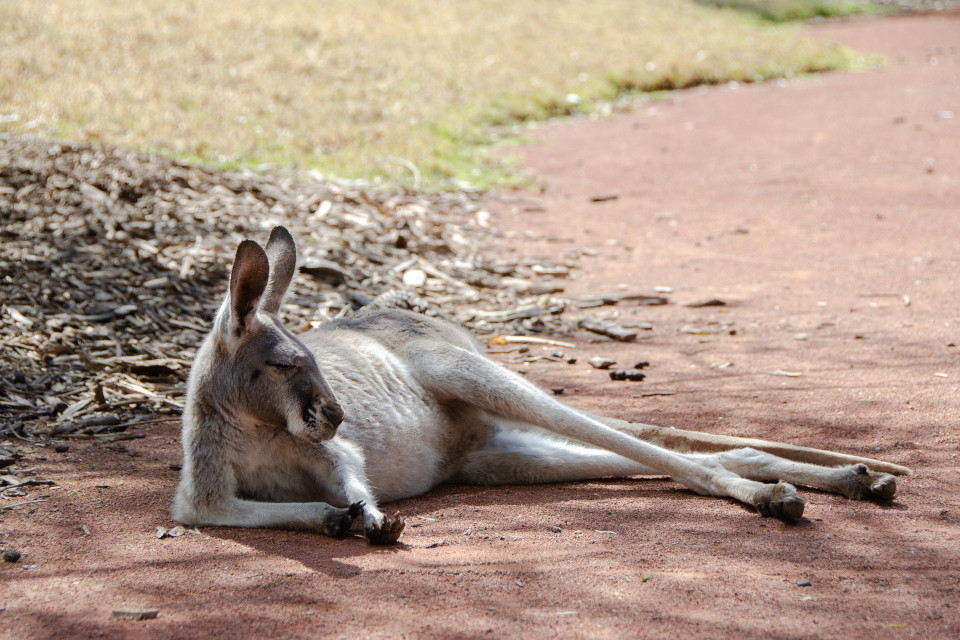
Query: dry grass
(345,85)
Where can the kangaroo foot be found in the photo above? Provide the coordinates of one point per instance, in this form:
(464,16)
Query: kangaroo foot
(339,520)
(387,532)
(870,485)
(780,501)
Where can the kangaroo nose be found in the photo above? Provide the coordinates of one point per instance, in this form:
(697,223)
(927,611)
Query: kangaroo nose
(333,413)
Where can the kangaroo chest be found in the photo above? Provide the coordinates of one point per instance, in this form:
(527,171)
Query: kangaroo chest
(411,442)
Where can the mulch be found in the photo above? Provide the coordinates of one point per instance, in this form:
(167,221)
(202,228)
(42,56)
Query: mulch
(112,264)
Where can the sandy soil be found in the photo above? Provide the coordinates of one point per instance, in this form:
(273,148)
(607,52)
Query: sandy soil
(824,211)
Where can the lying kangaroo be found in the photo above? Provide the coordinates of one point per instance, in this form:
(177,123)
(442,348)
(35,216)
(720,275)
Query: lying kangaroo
(313,430)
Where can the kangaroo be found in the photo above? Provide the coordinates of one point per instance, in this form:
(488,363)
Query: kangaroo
(315,430)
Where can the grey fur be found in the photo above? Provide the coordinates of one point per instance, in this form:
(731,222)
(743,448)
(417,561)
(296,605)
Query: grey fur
(310,431)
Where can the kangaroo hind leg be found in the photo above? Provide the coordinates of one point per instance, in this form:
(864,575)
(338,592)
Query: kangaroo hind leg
(457,375)
(855,481)
(855,477)
(515,456)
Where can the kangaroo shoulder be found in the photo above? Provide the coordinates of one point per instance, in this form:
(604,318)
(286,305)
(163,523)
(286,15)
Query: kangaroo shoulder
(396,328)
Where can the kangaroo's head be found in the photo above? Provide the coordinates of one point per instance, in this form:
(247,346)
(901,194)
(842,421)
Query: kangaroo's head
(251,368)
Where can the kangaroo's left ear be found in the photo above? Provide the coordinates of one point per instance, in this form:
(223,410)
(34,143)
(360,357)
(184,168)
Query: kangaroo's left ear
(282,254)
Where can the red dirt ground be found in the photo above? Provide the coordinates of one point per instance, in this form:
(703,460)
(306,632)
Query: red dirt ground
(796,203)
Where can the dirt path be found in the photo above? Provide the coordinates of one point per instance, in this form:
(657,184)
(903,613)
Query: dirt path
(798,205)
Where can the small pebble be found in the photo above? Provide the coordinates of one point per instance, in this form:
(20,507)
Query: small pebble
(554,528)
(11,555)
(804,582)
(557,390)
(61,447)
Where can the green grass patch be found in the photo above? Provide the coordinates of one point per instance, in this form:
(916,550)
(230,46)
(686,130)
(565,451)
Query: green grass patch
(384,89)
(791,10)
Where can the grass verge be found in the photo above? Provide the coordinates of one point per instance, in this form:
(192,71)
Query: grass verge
(361,88)
(788,10)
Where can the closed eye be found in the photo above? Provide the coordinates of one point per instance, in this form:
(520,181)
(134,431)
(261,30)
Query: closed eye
(283,366)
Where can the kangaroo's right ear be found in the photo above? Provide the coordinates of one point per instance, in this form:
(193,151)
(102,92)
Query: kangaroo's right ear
(282,252)
(248,279)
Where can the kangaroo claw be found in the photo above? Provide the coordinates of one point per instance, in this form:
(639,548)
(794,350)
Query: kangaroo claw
(386,533)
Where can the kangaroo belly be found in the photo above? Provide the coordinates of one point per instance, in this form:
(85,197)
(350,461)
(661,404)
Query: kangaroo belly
(410,441)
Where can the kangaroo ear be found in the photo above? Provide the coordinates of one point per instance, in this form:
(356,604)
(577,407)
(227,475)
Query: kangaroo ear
(282,253)
(248,279)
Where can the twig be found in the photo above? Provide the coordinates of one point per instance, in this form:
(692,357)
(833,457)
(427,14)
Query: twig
(529,339)
(130,384)
(107,437)
(788,374)
(22,437)
(427,266)
(117,427)
(20,504)
(27,483)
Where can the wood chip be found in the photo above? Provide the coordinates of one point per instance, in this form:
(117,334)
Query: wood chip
(609,329)
(710,302)
(114,261)
(135,614)
(639,299)
(601,363)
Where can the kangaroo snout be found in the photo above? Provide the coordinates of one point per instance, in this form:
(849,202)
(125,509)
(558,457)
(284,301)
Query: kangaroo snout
(333,412)
(320,421)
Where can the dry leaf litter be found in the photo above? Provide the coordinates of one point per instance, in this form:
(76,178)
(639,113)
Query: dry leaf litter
(113,263)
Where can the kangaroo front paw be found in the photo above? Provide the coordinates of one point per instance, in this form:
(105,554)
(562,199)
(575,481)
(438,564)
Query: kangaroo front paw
(871,485)
(339,521)
(387,532)
(780,501)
